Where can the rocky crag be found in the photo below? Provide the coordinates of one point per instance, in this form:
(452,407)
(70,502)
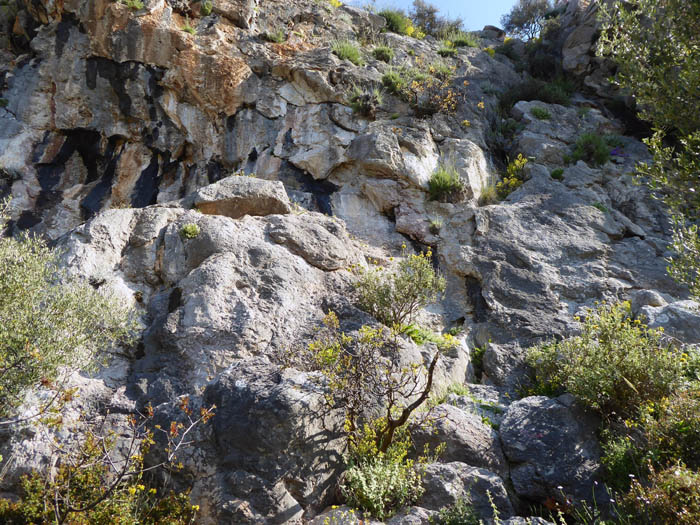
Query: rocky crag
(118,128)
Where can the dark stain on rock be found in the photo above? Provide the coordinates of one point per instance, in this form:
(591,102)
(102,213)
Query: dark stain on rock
(118,75)
(474,292)
(146,188)
(174,300)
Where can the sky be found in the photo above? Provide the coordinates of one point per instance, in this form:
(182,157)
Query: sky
(475,13)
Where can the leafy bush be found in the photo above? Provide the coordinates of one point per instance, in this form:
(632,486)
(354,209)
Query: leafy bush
(189,231)
(393,296)
(383,53)
(347,50)
(365,102)
(381,483)
(540,113)
(615,365)
(426,17)
(460,513)
(427,91)
(557,174)
(672,429)
(445,185)
(395,81)
(526,18)
(398,22)
(622,456)
(50,324)
(447,51)
(555,92)
(514,178)
(462,39)
(591,148)
(684,267)
(672,495)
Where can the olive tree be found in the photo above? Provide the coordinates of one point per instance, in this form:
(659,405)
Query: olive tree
(526,18)
(656,46)
(50,324)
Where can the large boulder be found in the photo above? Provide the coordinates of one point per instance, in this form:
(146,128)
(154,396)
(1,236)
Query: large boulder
(237,196)
(552,448)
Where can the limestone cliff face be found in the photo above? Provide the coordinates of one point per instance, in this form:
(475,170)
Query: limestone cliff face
(117,128)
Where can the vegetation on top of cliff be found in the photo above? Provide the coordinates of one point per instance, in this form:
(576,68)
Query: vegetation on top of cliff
(526,18)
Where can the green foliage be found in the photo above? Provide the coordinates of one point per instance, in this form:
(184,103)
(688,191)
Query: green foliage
(378,482)
(591,148)
(189,231)
(134,5)
(383,53)
(477,358)
(445,185)
(393,296)
(426,17)
(277,36)
(614,366)
(187,28)
(459,38)
(526,18)
(460,513)
(4,102)
(395,81)
(600,207)
(621,457)
(489,195)
(427,90)
(540,113)
(435,224)
(514,177)
(555,92)
(684,267)
(508,49)
(421,336)
(50,324)
(447,51)
(557,174)
(347,50)
(671,495)
(398,22)
(365,102)
(205,8)
(76,494)
(672,429)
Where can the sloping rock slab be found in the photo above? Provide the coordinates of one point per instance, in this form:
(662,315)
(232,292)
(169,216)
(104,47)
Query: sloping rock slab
(238,196)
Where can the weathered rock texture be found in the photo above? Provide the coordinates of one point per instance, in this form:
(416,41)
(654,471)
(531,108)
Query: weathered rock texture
(118,129)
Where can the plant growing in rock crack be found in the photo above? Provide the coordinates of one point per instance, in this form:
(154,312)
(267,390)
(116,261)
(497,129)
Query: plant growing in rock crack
(367,378)
(134,5)
(540,113)
(514,177)
(189,231)
(591,148)
(459,513)
(435,226)
(383,53)
(445,185)
(206,8)
(276,36)
(347,50)
(365,101)
(394,295)
(187,28)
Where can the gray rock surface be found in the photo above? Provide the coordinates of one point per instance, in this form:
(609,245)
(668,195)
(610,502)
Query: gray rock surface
(238,196)
(552,448)
(680,320)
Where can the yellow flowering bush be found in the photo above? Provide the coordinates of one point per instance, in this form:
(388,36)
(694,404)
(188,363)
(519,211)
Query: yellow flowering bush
(514,177)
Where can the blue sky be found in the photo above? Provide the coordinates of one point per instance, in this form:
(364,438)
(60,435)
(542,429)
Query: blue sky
(475,13)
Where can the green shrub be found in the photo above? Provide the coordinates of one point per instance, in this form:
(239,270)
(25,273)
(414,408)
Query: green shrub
(205,8)
(555,92)
(446,51)
(600,207)
(421,336)
(383,53)
(134,5)
(462,39)
(395,81)
(489,195)
(445,185)
(540,113)
(347,50)
(591,148)
(365,102)
(379,483)
(514,177)
(622,456)
(460,513)
(189,231)
(277,36)
(393,296)
(614,366)
(398,22)
(557,174)
(672,429)
(435,225)
(671,496)
(50,324)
